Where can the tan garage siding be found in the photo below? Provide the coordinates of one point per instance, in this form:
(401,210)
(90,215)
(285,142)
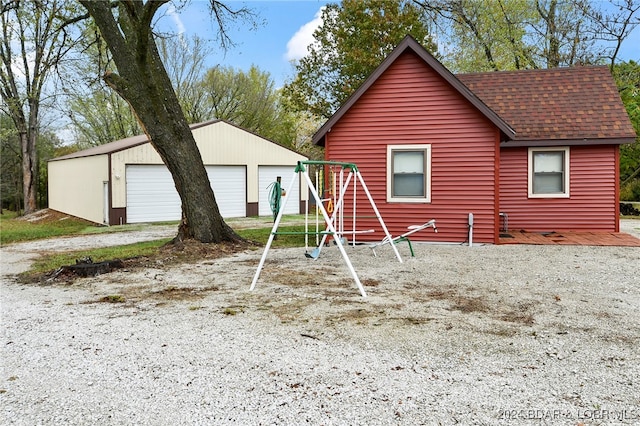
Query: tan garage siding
(86,176)
(141,154)
(220,144)
(247,149)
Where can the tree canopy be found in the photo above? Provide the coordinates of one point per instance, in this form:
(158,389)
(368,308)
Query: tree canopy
(34,41)
(523,34)
(355,36)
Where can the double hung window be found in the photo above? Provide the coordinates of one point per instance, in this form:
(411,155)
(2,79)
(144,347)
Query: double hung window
(548,172)
(409,173)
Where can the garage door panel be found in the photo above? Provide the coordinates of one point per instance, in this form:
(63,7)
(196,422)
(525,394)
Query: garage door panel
(152,196)
(230,189)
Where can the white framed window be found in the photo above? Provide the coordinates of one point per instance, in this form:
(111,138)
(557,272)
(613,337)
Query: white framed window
(549,172)
(409,173)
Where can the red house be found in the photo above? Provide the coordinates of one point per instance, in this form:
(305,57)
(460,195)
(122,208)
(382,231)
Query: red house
(534,150)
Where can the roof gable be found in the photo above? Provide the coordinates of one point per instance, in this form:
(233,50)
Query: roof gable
(133,141)
(410,44)
(579,104)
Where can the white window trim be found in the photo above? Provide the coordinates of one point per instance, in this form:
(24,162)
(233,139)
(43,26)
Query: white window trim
(427,172)
(567,161)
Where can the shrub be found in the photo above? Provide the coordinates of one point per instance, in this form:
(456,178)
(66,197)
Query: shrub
(630,191)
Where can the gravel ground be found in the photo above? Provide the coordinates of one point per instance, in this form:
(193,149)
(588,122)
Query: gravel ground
(457,335)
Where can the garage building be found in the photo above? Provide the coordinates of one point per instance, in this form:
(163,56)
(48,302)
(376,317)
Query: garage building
(126,181)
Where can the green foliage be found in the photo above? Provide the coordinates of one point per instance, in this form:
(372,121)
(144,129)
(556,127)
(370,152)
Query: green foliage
(98,115)
(10,165)
(15,229)
(627,76)
(36,38)
(292,236)
(630,191)
(247,99)
(482,35)
(185,62)
(251,101)
(355,37)
(481,44)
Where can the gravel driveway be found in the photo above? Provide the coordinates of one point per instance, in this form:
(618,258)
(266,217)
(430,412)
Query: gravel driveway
(457,335)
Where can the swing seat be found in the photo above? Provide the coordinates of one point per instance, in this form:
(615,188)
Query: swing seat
(314,253)
(405,237)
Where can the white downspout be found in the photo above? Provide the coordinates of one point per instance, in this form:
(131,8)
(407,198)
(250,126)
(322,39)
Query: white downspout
(470,229)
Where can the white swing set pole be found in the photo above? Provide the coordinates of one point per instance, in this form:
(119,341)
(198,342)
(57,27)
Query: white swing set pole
(375,209)
(273,231)
(353,220)
(332,230)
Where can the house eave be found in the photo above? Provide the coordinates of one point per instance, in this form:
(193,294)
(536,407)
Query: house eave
(565,142)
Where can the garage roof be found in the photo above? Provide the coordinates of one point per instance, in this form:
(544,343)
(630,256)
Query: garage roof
(122,144)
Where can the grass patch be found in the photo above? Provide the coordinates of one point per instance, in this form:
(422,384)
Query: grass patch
(56,260)
(295,239)
(14,228)
(49,224)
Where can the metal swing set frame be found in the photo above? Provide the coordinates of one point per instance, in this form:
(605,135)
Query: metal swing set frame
(301,170)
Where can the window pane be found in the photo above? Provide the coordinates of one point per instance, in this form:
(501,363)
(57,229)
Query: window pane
(408,162)
(548,162)
(408,185)
(548,183)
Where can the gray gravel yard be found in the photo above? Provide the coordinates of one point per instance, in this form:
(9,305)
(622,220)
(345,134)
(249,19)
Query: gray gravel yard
(487,335)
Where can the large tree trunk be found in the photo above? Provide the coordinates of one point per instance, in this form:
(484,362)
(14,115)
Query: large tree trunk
(29,171)
(143,82)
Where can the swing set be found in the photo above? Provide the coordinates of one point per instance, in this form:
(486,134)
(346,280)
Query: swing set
(333,214)
(330,230)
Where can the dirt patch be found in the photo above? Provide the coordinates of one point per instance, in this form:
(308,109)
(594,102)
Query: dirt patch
(166,256)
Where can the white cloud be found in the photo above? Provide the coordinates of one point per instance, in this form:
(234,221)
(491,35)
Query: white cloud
(176,19)
(298,44)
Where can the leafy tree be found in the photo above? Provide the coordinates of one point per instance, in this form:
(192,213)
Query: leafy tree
(97,114)
(100,116)
(48,145)
(10,165)
(561,36)
(185,60)
(142,80)
(247,99)
(518,34)
(627,75)
(34,41)
(475,42)
(354,38)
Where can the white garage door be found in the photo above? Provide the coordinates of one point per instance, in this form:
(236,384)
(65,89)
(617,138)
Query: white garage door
(266,176)
(152,195)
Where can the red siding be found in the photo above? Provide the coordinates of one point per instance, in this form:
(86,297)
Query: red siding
(410,103)
(592,204)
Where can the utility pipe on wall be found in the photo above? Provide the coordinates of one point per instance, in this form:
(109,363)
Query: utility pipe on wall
(470,229)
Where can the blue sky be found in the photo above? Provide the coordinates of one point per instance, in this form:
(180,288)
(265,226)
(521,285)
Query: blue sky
(287,29)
